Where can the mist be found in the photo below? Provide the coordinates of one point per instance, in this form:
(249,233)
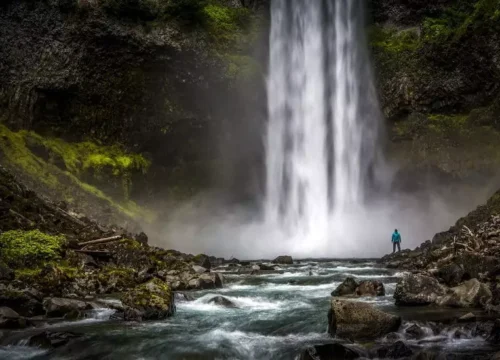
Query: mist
(207,225)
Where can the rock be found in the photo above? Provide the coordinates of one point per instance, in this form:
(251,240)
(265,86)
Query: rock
(416,289)
(333,351)
(141,238)
(356,320)
(395,351)
(370,288)
(9,319)
(255,268)
(266,267)
(52,339)
(203,261)
(415,332)
(6,273)
(348,287)
(26,302)
(283,260)
(153,300)
(467,317)
(222,301)
(183,297)
(199,269)
(470,294)
(59,307)
(494,337)
(451,274)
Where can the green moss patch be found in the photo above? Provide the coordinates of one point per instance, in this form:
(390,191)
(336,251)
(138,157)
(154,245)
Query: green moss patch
(65,168)
(29,248)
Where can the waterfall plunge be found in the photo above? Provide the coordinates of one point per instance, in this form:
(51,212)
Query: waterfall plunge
(322,139)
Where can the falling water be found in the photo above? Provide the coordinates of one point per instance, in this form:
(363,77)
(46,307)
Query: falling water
(322,139)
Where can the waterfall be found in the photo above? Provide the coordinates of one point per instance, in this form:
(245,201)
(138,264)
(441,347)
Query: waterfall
(322,137)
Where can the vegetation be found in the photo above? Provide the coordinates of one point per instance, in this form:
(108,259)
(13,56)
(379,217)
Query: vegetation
(29,249)
(64,167)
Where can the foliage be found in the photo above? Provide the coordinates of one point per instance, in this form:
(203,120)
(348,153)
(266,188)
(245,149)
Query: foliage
(61,166)
(393,41)
(29,248)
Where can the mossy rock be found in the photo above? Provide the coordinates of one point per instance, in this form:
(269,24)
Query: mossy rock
(153,300)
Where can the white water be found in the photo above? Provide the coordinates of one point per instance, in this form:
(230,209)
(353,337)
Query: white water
(323,117)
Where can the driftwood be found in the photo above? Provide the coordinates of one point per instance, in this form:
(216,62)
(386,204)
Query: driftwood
(98,253)
(101,241)
(67,216)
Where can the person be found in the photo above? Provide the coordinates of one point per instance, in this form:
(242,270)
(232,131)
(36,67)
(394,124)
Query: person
(396,241)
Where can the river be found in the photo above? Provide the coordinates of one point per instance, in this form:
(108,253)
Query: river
(277,315)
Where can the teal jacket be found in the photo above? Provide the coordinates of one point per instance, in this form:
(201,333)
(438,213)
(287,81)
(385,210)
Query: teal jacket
(396,237)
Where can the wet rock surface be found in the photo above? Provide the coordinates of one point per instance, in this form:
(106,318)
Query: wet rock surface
(356,320)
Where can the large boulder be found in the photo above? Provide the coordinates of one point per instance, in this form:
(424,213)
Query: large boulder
(153,300)
(350,287)
(60,307)
(416,289)
(27,302)
(333,351)
(451,274)
(370,288)
(9,319)
(356,320)
(203,261)
(470,294)
(283,260)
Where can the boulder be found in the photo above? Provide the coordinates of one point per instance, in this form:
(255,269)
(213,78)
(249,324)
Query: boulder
(153,300)
(415,332)
(348,287)
(266,267)
(6,273)
(60,307)
(9,319)
(416,289)
(52,339)
(183,297)
(255,268)
(203,261)
(370,288)
(494,337)
(199,269)
(335,351)
(283,260)
(222,301)
(356,320)
(451,274)
(395,351)
(470,294)
(27,302)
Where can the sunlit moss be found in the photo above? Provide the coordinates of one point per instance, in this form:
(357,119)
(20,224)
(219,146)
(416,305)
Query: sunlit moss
(77,158)
(29,248)
(394,41)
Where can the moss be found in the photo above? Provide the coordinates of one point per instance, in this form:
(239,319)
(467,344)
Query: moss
(29,248)
(121,278)
(446,122)
(78,159)
(153,298)
(392,40)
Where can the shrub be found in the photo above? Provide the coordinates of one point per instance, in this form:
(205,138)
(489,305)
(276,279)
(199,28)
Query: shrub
(20,248)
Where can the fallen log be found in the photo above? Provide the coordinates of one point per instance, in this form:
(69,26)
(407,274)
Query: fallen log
(98,253)
(101,241)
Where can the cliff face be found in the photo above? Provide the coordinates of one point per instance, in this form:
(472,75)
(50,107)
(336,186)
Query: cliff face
(438,72)
(181,85)
(163,79)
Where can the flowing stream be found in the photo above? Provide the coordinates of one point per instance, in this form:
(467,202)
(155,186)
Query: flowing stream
(277,315)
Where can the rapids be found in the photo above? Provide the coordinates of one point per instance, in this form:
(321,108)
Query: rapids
(278,314)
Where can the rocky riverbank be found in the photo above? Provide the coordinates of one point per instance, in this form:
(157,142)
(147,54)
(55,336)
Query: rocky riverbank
(57,264)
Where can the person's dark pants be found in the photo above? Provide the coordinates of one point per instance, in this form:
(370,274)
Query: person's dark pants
(394,247)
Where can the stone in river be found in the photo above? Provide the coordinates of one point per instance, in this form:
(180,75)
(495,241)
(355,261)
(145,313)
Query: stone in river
(284,260)
(357,320)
